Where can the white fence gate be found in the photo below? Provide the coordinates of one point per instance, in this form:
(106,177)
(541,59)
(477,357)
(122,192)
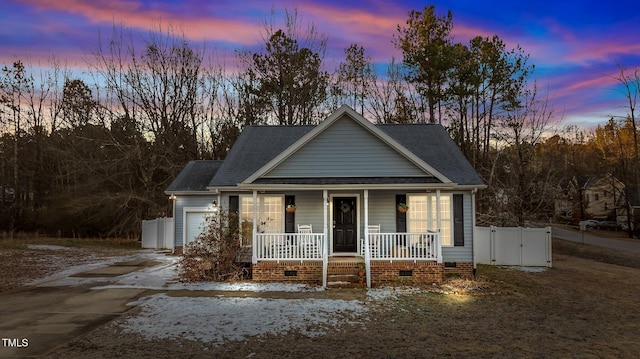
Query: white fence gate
(513,246)
(157,233)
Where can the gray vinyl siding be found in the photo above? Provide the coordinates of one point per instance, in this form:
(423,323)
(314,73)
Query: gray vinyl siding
(463,253)
(335,153)
(382,210)
(310,205)
(187,201)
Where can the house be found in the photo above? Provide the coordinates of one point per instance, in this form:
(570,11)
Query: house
(319,199)
(601,195)
(628,212)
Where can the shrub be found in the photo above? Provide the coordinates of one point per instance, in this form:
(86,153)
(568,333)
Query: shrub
(213,256)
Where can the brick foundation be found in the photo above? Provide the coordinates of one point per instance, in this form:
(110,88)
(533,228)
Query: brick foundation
(458,269)
(382,273)
(305,272)
(385,273)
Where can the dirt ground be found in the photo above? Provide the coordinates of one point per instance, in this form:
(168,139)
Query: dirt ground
(581,308)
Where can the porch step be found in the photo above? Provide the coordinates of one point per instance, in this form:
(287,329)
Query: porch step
(344,273)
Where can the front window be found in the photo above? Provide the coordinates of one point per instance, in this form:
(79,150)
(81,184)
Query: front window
(270,215)
(423,215)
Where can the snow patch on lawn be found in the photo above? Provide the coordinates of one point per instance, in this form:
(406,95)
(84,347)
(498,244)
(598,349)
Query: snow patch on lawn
(386,293)
(217,320)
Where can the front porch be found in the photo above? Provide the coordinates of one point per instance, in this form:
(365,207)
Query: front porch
(368,226)
(390,258)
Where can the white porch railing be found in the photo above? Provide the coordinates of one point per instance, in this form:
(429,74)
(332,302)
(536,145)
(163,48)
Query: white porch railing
(288,246)
(403,246)
(382,246)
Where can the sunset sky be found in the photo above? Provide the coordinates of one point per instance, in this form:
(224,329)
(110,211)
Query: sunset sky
(575,45)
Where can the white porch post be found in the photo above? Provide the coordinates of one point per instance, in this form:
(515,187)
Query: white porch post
(473,224)
(438,210)
(254,245)
(325,248)
(439,226)
(367,260)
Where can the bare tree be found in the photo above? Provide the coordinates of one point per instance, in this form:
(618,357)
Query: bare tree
(13,85)
(354,78)
(520,184)
(630,89)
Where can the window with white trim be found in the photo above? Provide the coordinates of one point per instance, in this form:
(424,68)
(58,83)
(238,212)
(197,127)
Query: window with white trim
(423,215)
(270,214)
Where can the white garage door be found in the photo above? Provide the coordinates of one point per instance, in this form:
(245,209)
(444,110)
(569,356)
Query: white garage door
(195,223)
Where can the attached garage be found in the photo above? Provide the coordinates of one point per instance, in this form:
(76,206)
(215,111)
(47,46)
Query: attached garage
(192,200)
(195,222)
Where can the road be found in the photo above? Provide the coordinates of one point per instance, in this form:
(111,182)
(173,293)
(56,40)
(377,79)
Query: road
(596,238)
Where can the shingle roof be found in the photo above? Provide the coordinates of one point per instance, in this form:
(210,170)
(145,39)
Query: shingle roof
(195,176)
(257,145)
(433,145)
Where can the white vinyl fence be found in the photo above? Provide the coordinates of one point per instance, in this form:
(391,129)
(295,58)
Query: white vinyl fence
(157,233)
(513,246)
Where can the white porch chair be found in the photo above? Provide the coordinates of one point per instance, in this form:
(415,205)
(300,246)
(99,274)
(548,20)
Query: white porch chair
(308,243)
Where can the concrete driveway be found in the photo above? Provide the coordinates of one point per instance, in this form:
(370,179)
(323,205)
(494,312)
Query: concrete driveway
(36,319)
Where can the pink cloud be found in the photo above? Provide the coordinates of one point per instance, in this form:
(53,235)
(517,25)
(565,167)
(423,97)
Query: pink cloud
(132,14)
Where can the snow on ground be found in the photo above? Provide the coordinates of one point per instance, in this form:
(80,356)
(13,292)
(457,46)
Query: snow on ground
(216,320)
(219,318)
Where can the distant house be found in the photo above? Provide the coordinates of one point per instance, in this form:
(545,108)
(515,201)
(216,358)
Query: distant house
(598,195)
(319,199)
(630,205)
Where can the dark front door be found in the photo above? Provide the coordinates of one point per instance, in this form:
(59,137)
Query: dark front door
(345,225)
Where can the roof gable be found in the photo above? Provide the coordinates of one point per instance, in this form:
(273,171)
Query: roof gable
(346,145)
(259,151)
(345,149)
